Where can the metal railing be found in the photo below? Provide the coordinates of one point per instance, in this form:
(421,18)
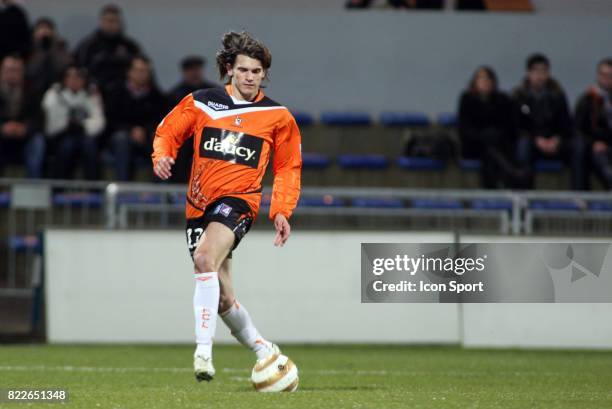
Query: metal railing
(34,205)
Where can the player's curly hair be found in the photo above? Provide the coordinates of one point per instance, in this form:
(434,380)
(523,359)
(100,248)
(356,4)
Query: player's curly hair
(243,43)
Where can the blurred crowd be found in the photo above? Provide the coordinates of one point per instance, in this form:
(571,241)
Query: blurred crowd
(97,106)
(509,133)
(62,108)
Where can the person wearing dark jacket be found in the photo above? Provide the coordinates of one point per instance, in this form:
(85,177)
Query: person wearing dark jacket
(545,125)
(192,79)
(106,52)
(49,56)
(14,30)
(21,138)
(487,130)
(594,122)
(134,109)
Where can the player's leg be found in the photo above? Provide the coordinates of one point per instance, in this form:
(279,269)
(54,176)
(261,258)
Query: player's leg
(214,246)
(237,318)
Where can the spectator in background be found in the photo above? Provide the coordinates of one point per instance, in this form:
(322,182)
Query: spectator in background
(544,123)
(134,109)
(192,79)
(594,121)
(106,52)
(408,4)
(74,119)
(49,56)
(21,140)
(14,30)
(487,130)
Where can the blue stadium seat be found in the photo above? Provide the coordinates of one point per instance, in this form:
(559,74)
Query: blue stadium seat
(491,204)
(436,204)
(177,198)
(266,198)
(409,119)
(338,118)
(25,243)
(549,166)
(470,165)
(354,161)
(322,201)
(419,163)
(5,199)
(139,198)
(448,119)
(315,161)
(303,118)
(554,205)
(600,206)
(78,199)
(388,203)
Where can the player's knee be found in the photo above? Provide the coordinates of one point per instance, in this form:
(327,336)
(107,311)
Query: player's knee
(225,302)
(205,262)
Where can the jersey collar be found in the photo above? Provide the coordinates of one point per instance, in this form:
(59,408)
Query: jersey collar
(259,97)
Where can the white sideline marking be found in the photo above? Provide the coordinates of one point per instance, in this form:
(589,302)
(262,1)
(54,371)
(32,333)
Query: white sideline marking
(174,370)
(320,372)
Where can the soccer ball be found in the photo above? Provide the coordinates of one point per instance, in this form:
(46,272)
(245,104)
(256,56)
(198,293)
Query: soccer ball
(276,373)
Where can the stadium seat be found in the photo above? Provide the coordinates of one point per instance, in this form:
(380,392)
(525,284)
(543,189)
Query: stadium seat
(600,206)
(314,161)
(420,163)
(177,198)
(78,199)
(554,205)
(303,118)
(448,119)
(470,165)
(408,119)
(266,198)
(25,243)
(322,201)
(5,199)
(338,118)
(491,204)
(368,161)
(370,202)
(549,166)
(139,198)
(436,204)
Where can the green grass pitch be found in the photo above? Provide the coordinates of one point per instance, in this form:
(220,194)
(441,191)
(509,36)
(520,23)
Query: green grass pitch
(337,376)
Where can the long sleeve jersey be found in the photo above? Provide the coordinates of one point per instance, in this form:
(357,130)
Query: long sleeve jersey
(232,144)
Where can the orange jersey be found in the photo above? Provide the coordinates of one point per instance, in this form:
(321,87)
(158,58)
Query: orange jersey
(232,144)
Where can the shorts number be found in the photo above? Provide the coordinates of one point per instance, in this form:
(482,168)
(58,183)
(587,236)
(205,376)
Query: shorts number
(193,237)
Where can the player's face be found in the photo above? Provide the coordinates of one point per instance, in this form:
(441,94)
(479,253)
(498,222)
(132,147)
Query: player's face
(247,74)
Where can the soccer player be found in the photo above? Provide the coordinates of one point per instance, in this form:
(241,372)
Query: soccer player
(235,130)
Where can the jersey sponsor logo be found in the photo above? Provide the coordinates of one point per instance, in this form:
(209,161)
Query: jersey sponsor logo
(231,146)
(223,209)
(217,106)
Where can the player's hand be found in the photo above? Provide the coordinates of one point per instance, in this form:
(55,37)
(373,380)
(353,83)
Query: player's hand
(163,166)
(283,230)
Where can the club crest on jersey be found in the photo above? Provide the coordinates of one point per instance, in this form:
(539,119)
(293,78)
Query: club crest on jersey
(238,121)
(230,146)
(217,106)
